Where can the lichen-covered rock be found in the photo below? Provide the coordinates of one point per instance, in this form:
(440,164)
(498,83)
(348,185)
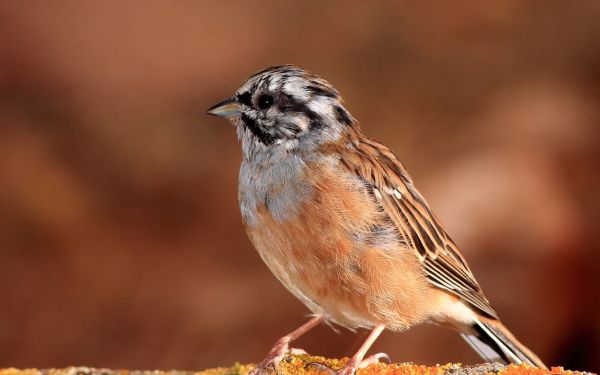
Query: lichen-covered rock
(309,365)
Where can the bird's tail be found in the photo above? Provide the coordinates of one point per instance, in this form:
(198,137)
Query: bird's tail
(495,343)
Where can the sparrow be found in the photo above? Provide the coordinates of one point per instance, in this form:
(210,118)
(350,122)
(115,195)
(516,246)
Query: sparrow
(338,220)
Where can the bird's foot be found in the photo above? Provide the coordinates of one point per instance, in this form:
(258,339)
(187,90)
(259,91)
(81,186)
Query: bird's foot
(279,350)
(353,365)
(373,359)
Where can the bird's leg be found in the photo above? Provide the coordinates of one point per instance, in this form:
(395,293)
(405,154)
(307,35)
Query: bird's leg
(358,360)
(282,346)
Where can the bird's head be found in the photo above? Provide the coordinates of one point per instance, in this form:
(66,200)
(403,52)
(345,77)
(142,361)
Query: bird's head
(285,107)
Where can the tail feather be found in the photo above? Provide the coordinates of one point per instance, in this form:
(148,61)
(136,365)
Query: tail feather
(484,350)
(494,343)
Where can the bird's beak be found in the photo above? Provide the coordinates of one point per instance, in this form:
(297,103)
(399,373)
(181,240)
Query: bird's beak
(227,108)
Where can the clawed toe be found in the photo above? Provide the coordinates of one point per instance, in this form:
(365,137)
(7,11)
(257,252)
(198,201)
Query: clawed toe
(259,370)
(372,359)
(269,364)
(297,351)
(321,367)
(352,366)
(263,368)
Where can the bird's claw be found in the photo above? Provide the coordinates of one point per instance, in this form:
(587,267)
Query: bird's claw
(297,351)
(372,359)
(353,365)
(269,364)
(321,367)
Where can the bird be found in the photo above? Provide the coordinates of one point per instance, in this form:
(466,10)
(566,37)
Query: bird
(337,219)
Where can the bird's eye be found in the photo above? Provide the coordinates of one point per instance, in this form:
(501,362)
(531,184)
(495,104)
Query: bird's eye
(265,101)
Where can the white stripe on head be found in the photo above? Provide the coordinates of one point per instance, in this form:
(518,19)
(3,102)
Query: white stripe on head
(296,87)
(274,82)
(322,106)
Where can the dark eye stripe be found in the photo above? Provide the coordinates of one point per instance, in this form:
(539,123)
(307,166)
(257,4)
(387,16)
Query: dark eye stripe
(245,98)
(290,104)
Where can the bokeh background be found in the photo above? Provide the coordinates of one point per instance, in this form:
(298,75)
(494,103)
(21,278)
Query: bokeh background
(121,243)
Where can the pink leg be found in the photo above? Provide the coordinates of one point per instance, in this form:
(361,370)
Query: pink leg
(357,360)
(282,346)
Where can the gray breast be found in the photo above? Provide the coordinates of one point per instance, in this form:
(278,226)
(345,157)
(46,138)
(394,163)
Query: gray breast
(277,182)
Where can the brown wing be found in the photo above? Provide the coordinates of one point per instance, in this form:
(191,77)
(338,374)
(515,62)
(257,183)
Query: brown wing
(391,185)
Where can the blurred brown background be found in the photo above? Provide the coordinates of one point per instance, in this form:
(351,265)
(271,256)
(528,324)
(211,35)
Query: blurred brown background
(121,244)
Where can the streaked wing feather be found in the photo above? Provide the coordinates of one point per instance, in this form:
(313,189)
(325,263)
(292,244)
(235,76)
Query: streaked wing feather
(391,185)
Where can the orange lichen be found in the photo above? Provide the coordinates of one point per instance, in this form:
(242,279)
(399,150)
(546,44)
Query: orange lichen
(309,365)
(314,365)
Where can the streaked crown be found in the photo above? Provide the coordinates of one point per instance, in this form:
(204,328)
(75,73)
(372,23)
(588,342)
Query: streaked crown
(285,105)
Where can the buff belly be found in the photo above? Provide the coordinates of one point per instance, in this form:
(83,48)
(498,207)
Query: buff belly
(325,257)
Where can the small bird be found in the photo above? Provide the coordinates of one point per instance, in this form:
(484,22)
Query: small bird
(337,219)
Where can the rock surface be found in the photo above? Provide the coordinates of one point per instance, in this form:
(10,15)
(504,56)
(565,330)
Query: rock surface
(305,364)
